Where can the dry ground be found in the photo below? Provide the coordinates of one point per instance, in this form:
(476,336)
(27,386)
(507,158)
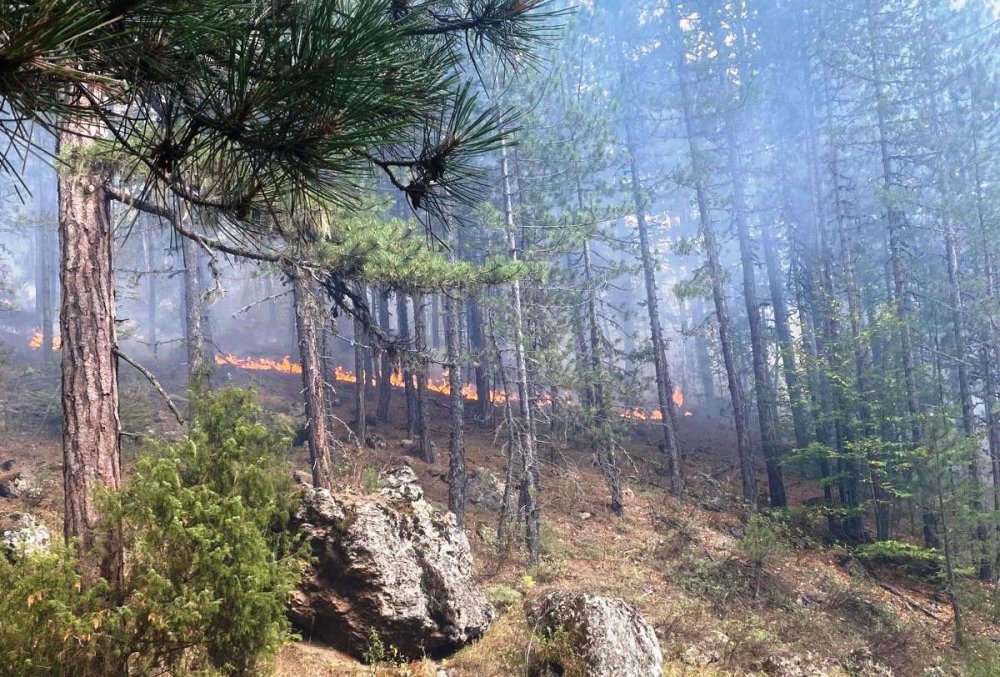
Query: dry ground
(679,562)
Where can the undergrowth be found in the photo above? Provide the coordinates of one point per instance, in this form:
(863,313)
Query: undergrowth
(210,566)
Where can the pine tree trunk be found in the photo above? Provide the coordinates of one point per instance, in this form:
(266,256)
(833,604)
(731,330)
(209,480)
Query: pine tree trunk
(194,334)
(152,262)
(664,384)
(423,404)
(704,359)
(456,427)
(530,475)
(717,276)
(434,321)
(604,439)
(767,413)
(308,321)
(385,359)
(402,312)
(43,288)
(361,373)
(91,426)
(477,342)
(796,394)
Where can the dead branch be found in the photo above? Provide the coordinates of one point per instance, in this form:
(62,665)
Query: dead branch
(156,384)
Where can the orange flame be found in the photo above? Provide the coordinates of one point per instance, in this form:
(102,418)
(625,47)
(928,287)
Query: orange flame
(436,385)
(37,337)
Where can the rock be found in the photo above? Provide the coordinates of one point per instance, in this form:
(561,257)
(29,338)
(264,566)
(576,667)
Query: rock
(388,564)
(486,534)
(484,489)
(20,485)
(593,636)
(22,536)
(710,650)
(862,663)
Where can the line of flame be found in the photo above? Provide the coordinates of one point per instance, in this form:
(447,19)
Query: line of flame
(436,385)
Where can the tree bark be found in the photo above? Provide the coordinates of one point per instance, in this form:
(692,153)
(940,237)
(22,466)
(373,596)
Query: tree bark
(477,343)
(362,376)
(91,426)
(402,313)
(199,371)
(43,287)
(717,275)
(664,384)
(529,476)
(423,404)
(796,393)
(767,413)
(308,322)
(456,427)
(385,359)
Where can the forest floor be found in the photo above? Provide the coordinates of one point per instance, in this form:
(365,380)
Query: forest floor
(810,609)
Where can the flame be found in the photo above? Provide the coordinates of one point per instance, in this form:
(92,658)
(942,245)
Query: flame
(35,342)
(439,385)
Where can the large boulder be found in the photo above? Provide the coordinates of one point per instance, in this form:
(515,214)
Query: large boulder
(589,636)
(388,564)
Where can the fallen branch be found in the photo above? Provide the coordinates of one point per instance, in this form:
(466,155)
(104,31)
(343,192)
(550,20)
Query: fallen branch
(907,601)
(152,379)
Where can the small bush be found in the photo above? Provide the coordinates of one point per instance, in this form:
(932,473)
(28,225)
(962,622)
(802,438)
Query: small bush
(911,560)
(380,654)
(763,538)
(503,597)
(210,567)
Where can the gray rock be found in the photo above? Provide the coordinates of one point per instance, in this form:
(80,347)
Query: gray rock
(593,636)
(484,489)
(22,485)
(389,564)
(22,536)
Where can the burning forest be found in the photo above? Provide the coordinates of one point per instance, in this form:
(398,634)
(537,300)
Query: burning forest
(421,330)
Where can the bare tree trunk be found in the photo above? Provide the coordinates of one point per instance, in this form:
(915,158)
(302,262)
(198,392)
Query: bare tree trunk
(477,343)
(704,358)
(404,336)
(965,398)
(361,373)
(796,394)
(91,426)
(530,476)
(717,275)
(43,287)
(385,360)
(423,404)
(603,437)
(434,322)
(308,320)
(456,438)
(664,384)
(767,414)
(152,262)
(194,335)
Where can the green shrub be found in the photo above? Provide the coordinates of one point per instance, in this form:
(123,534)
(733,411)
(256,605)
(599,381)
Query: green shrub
(503,597)
(909,559)
(763,538)
(210,567)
